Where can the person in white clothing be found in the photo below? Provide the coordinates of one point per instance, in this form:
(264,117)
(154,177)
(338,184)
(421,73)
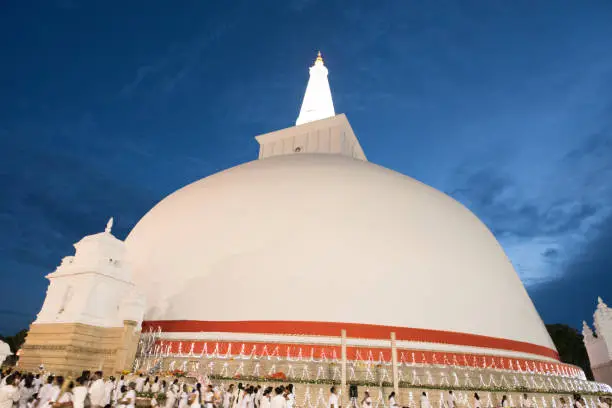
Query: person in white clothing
(526,401)
(228,397)
(601,403)
(146,387)
(367,400)
(129,399)
(477,403)
(184,397)
(450,400)
(54,392)
(578,401)
(79,393)
(238,396)
(155,386)
(333,401)
(209,396)
(26,391)
(140,383)
(195,399)
(278,401)
(264,402)
(45,392)
(504,402)
(170,398)
(118,387)
(425,400)
(37,383)
(109,388)
(9,392)
(97,390)
(290,396)
(65,397)
(247,398)
(392,402)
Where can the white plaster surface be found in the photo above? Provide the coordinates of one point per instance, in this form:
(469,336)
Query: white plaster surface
(94,286)
(315,237)
(332,135)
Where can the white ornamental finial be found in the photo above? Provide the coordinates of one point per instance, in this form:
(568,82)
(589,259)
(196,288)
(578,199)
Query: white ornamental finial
(109,225)
(600,301)
(317,103)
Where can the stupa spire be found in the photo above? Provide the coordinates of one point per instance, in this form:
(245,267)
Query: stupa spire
(317,103)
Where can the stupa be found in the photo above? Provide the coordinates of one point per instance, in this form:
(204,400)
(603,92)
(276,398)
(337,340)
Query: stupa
(599,343)
(313,264)
(261,268)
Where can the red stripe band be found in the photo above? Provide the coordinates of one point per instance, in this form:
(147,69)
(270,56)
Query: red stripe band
(354,330)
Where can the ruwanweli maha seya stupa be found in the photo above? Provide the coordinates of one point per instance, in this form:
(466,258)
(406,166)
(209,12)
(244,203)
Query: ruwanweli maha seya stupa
(309,264)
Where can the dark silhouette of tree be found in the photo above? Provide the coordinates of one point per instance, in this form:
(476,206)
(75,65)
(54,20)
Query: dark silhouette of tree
(570,346)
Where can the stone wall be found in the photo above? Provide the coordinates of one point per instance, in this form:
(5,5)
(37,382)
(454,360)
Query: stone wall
(603,372)
(70,348)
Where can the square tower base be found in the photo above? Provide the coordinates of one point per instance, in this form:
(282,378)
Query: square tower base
(70,348)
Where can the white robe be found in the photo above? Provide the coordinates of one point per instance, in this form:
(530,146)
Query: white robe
(37,384)
(170,399)
(96,392)
(9,394)
(118,396)
(208,399)
(450,401)
(227,399)
(425,401)
(196,400)
(44,394)
(79,393)
(140,384)
(332,402)
(183,399)
(54,394)
(109,387)
(24,395)
(65,397)
(247,401)
(131,395)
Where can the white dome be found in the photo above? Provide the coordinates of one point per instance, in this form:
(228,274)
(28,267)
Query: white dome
(327,238)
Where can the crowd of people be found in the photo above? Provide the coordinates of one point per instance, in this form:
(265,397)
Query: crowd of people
(19,390)
(450,401)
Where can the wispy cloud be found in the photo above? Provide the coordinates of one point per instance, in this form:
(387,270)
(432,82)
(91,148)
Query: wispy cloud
(164,73)
(546,230)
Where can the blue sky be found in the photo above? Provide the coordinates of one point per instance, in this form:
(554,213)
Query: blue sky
(107,107)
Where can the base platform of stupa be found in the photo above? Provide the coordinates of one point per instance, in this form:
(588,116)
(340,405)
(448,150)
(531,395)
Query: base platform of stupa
(70,348)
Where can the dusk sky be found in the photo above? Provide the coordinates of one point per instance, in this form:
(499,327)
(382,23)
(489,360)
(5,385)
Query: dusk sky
(106,107)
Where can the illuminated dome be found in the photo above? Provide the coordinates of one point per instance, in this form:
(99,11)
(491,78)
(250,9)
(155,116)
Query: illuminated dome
(327,238)
(310,243)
